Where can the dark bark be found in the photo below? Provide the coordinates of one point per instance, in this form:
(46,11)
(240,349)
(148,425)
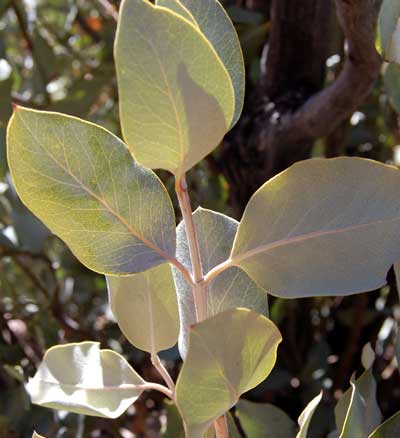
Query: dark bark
(289,108)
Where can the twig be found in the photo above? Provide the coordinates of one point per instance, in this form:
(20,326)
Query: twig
(31,47)
(109,9)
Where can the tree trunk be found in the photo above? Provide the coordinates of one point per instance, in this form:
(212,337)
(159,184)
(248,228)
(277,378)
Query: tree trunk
(287,110)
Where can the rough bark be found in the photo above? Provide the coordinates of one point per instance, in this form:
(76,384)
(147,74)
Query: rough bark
(289,108)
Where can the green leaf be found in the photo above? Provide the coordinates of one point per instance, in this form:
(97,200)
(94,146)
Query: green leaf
(177,7)
(81,181)
(390,428)
(322,227)
(261,420)
(83,379)
(36,435)
(233,288)
(389,30)
(217,27)
(354,423)
(146,308)
(365,409)
(175,106)
(228,355)
(306,416)
(391,80)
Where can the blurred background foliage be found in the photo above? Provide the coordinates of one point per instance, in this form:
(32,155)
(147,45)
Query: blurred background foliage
(58,55)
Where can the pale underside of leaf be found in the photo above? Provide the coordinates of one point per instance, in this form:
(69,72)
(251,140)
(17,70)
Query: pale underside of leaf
(176,97)
(322,227)
(228,355)
(81,181)
(233,288)
(83,379)
(215,24)
(146,309)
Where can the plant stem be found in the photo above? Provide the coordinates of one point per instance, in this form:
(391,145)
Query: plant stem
(217,270)
(155,360)
(221,427)
(148,386)
(199,287)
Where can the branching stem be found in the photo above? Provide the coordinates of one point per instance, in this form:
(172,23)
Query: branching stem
(199,287)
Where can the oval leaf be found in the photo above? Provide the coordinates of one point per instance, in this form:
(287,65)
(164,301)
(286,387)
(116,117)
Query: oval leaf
(83,379)
(215,24)
(228,355)
(233,288)
(260,420)
(175,107)
(146,308)
(322,227)
(81,181)
(306,416)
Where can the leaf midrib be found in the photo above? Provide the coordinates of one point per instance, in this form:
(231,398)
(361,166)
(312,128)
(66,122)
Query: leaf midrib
(131,230)
(236,259)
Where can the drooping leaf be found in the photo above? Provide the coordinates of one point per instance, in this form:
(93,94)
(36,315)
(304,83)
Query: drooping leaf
(217,27)
(146,308)
(228,355)
(391,81)
(233,288)
(390,428)
(306,416)
(176,97)
(81,181)
(389,30)
(83,379)
(322,227)
(365,409)
(263,420)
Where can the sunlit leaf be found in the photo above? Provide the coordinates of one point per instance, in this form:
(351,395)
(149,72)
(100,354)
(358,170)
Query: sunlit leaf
(81,181)
(233,288)
(176,97)
(260,420)
(390,428)
(83,379)
(36,435)
(217,27)
(177,6)
(228,355)
(389,30)
(365,409)
(146,308)
(322,227)
(306,416)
